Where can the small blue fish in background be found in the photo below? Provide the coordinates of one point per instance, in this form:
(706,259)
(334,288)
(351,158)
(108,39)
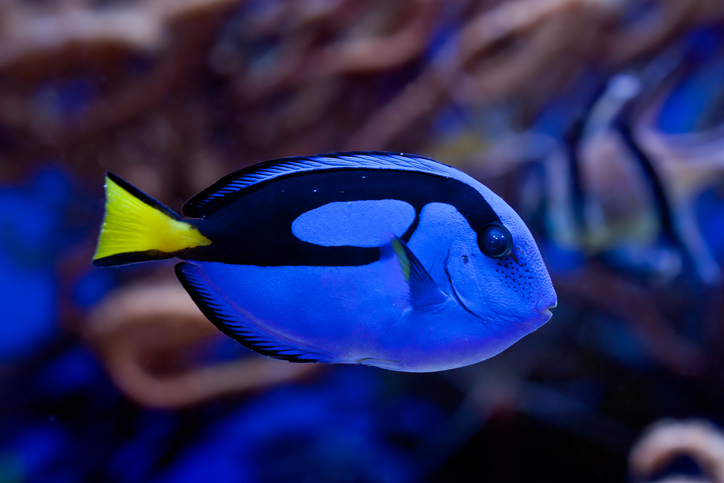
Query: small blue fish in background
(384,259)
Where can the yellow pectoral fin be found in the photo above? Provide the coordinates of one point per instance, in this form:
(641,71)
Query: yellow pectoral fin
(136,227)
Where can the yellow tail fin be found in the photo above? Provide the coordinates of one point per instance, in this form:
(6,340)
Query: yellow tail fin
(138,228)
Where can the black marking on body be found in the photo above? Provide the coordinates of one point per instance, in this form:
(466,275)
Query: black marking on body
(253,227)
(230,186)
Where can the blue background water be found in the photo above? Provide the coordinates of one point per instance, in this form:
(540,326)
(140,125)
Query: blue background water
(632,341)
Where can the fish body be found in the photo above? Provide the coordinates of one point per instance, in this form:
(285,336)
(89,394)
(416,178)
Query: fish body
(390,260)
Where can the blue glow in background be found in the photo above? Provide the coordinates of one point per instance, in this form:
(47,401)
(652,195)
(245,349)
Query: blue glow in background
(632,341)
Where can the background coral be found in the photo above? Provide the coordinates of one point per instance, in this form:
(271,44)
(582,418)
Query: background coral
(598,120)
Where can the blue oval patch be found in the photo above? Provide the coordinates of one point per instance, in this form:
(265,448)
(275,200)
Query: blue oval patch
(363,223)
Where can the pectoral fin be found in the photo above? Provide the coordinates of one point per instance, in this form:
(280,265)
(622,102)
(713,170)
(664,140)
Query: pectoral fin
(406,278)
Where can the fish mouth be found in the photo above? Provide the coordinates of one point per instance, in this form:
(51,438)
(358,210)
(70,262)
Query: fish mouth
(547,312)
(546,308)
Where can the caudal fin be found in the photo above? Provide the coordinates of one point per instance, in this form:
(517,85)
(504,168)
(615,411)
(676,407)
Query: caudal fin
(137,228)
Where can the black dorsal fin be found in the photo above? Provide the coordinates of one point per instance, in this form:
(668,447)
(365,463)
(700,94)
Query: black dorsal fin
(227,187)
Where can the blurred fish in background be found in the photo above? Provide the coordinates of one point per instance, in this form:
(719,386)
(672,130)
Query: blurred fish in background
(599,121)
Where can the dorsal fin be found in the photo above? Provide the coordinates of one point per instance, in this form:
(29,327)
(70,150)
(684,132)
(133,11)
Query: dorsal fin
(227,187)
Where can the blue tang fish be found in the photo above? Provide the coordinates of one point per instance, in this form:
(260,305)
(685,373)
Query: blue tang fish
(385,259)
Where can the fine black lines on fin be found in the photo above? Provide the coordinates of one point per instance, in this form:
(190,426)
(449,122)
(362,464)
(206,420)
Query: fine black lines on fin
(131,257)
(239,326)
(220,192)
(424,294)
(137,193)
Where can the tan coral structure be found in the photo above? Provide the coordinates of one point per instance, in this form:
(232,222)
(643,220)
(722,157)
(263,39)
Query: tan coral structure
(668,439)
(147,334)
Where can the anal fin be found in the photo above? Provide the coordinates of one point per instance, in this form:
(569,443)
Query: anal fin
(234,322)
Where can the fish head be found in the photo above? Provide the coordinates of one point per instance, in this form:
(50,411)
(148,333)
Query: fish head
(498,275)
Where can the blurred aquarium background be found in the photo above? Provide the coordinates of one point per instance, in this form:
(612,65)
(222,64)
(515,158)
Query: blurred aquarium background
(600,121)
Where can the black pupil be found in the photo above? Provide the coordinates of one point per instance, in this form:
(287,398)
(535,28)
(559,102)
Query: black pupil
(496,242)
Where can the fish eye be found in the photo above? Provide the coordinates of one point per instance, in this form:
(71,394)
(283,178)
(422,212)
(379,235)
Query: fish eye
(495,241)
